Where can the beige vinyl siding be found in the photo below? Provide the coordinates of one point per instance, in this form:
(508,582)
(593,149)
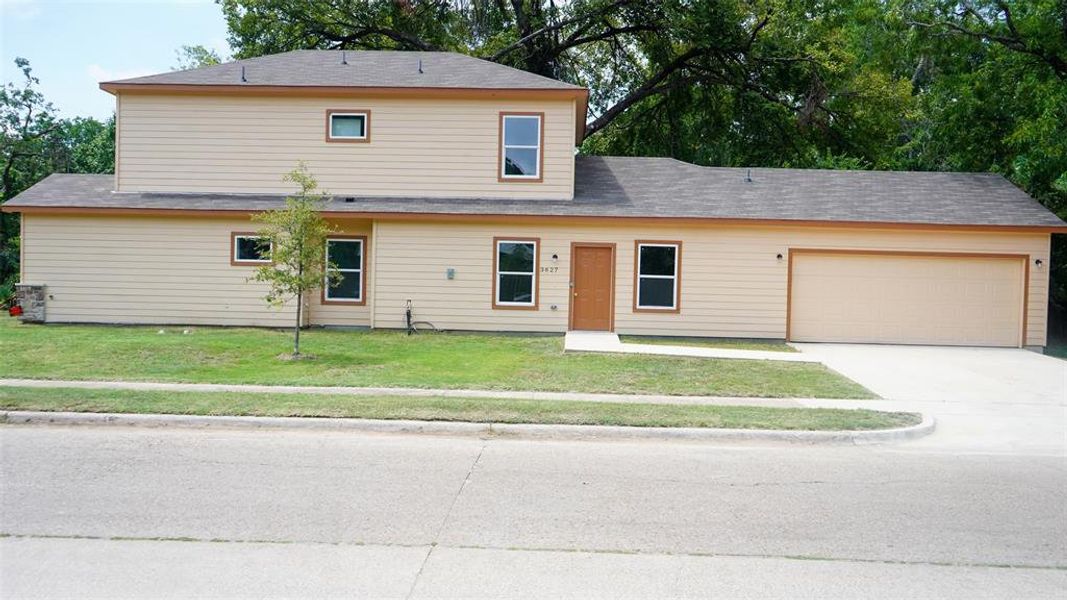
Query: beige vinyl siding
(432,147)
(144,270)
(345,315)
(732,284)
(112,269)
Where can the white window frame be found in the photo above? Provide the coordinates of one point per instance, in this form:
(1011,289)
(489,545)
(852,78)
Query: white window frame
(504,146)
(533,273)
(366,126)
(677,260)
(359,271)
(257,261)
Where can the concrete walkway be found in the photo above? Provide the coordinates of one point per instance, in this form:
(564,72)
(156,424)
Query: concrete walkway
(437,393)
(602,341)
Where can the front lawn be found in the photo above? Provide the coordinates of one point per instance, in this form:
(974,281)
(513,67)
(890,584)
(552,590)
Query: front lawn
(449,409)
(389,359)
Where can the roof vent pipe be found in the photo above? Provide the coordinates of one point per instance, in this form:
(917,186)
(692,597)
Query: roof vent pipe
(748,176)
(344,59)
(420,65)
(243,80)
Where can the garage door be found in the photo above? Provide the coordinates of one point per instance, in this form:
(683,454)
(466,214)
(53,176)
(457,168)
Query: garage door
(906,299)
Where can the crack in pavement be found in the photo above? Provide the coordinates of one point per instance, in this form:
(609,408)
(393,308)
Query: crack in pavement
(611,551)
(444,521)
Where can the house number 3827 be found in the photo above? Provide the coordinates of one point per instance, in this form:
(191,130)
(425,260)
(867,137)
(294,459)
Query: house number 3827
(549,269)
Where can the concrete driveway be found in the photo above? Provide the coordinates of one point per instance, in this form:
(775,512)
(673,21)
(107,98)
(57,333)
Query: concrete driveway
(985,399)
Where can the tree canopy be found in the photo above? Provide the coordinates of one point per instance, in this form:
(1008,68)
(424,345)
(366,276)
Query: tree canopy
(295,239)
(193,57)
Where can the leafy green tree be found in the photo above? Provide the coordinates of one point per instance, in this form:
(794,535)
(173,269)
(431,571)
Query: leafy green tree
(296,236)
(84,145)
(27,121)
(820,94)
(193,57)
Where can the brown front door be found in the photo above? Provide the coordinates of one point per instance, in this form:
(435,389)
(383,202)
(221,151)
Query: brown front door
(593,286)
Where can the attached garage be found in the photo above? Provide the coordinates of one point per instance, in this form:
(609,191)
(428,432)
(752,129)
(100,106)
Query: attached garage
(860,296)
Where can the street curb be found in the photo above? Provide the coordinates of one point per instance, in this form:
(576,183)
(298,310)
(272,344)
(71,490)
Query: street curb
(454,428)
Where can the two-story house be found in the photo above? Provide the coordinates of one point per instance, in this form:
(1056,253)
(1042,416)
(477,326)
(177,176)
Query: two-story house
(455,184)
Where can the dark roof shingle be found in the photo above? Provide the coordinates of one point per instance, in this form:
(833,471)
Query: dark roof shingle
(652,187)
(364,68)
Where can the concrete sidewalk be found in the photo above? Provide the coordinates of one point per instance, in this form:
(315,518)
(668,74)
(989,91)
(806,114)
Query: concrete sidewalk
(429,392)
(603,341)
(77,567)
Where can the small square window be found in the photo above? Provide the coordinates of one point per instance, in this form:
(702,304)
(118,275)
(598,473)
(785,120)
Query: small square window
(249,249)
(347,126)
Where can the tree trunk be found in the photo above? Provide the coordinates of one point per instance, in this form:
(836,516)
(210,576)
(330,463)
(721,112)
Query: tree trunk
(296,330)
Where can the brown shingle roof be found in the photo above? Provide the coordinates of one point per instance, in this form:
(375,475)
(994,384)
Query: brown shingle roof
(371,69)
(651,187)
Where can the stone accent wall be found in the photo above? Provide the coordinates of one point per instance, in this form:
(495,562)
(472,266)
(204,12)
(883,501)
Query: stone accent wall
(31,297)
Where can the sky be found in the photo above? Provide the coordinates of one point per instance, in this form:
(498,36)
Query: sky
(74,44)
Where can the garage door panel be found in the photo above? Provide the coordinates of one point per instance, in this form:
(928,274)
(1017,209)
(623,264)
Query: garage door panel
(906,299)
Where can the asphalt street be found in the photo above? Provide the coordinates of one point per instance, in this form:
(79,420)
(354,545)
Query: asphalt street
(124,512)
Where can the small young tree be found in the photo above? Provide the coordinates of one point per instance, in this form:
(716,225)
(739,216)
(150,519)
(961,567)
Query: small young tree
(296,236)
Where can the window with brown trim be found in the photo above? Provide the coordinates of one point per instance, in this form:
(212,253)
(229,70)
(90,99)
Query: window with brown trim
(248,248)
(515,277)
(522,149)
(347,262)
(348,125)
(657,275)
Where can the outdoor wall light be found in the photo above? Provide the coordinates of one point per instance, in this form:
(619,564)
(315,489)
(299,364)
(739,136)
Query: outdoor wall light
(555,258)
(1038,262)
(779,257)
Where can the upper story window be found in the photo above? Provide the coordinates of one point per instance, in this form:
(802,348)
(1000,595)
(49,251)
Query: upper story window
(515,277)
(657,269)
(249,249)
(345,257)
(521,146)
(348,125)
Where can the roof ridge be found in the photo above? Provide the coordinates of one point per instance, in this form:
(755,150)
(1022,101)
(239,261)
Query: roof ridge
(308,67)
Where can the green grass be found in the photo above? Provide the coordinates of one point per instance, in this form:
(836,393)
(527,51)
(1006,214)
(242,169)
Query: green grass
(449,409)
(728,343)
(390,359)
